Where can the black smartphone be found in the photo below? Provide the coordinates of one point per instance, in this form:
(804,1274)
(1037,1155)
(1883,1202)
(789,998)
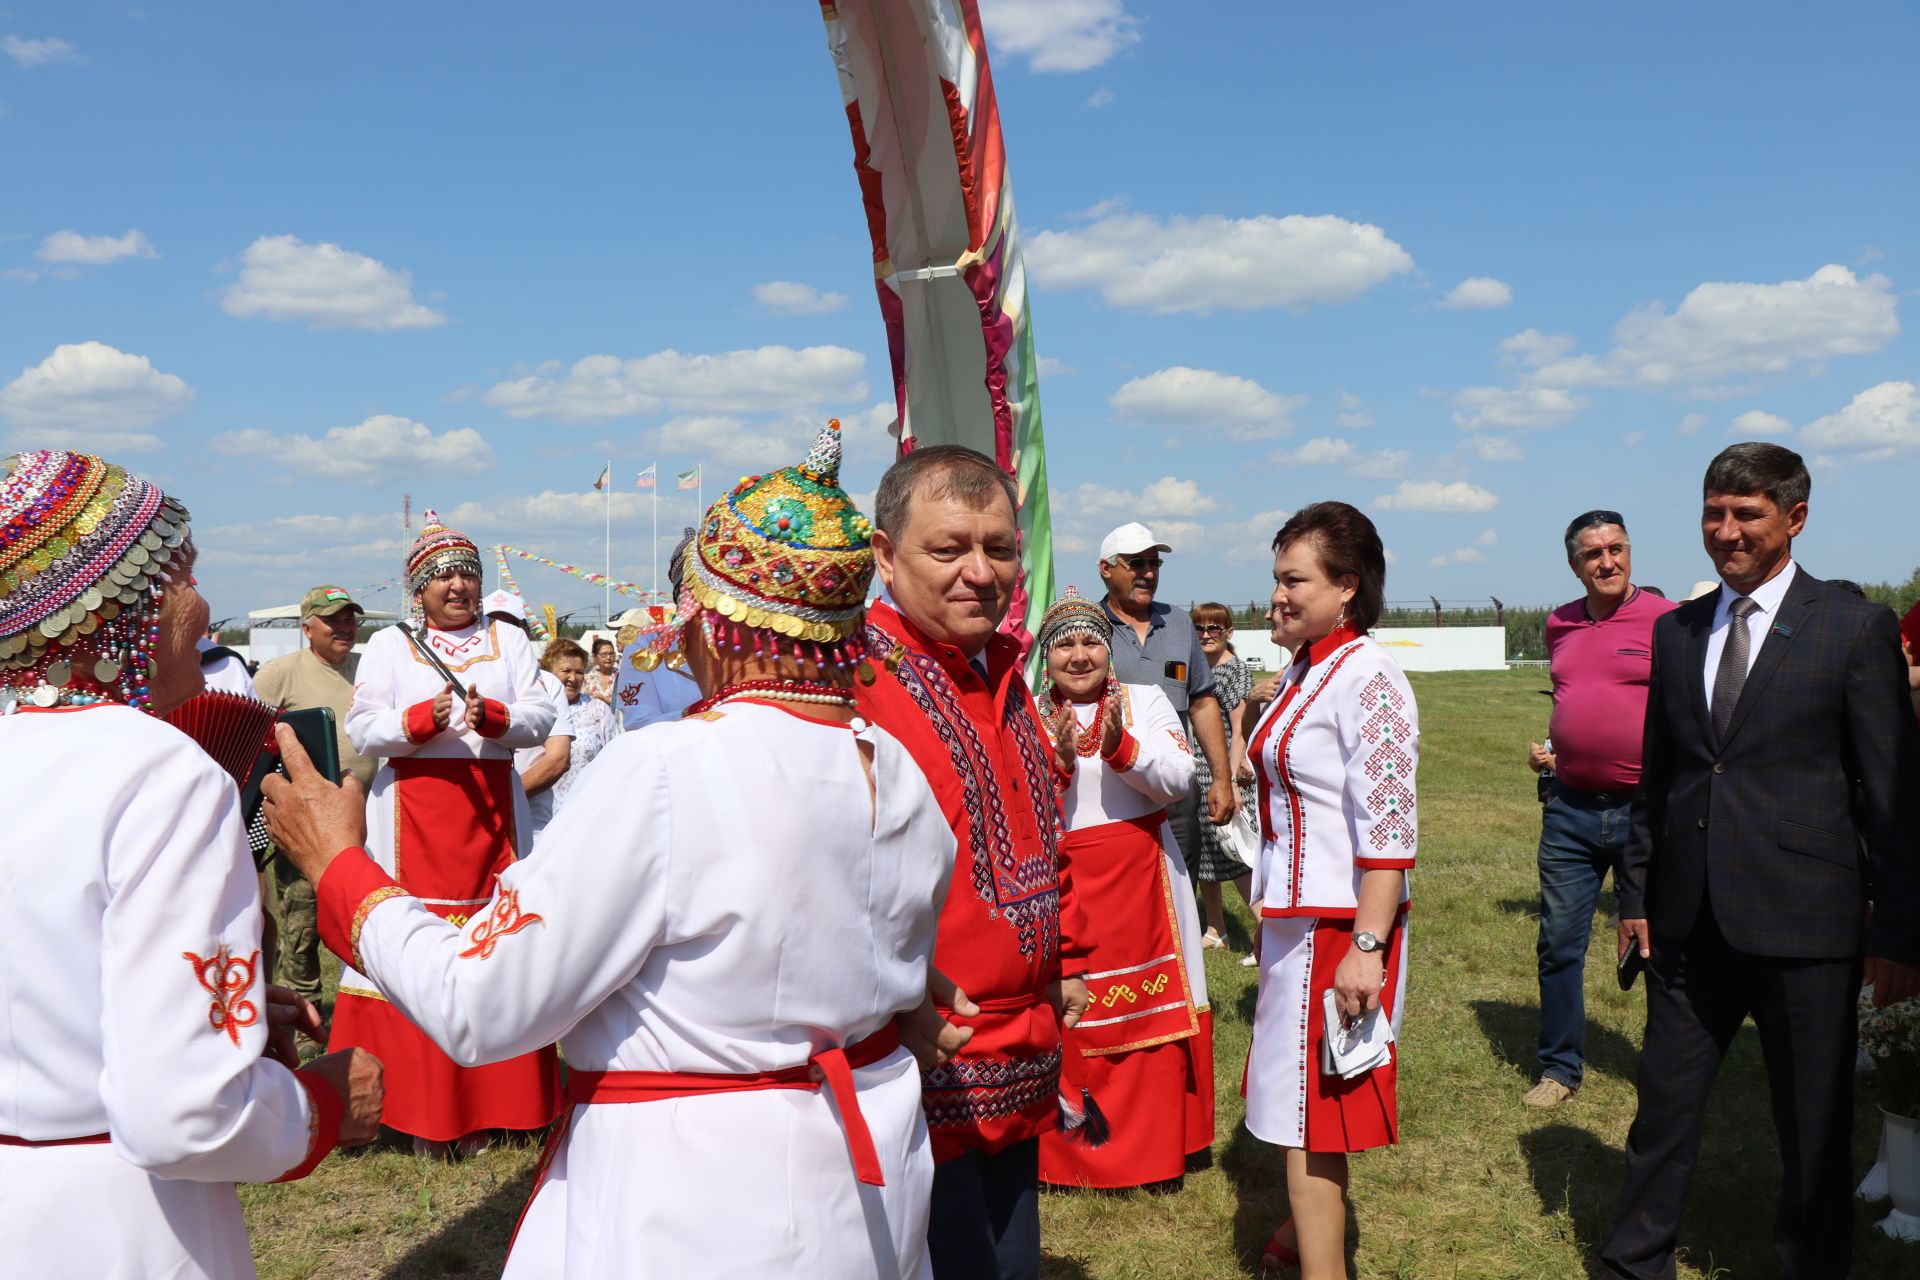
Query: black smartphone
(1629,967)
(314,726)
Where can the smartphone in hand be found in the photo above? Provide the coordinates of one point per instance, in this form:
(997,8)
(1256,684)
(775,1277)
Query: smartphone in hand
(1629,967)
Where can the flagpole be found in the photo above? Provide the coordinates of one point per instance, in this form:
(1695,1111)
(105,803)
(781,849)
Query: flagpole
(606,592)
(656,527)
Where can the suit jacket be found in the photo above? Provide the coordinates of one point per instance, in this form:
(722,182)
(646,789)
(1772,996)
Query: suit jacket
(1811,806)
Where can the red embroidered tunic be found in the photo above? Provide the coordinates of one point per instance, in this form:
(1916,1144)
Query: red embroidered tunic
(1010,924)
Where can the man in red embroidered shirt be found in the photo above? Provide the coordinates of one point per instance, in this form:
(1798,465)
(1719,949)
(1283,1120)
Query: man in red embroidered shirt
(952,693)
(1601,650)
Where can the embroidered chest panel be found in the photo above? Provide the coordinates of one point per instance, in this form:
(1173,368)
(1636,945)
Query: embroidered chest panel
(1019,886)
(1290,815)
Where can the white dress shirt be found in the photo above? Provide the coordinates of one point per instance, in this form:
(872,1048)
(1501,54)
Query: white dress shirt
(1768,596)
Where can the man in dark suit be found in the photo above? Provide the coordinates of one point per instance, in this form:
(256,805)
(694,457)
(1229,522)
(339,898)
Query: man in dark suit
(1750,866)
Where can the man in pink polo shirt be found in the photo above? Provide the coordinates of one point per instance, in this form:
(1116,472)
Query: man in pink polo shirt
(1601,648)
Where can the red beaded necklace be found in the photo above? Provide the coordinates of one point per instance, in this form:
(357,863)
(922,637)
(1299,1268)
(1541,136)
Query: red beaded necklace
(784,690)
(1086,744)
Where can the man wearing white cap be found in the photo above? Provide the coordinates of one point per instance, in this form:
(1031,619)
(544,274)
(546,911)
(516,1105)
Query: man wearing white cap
(1155,644)
(542,766)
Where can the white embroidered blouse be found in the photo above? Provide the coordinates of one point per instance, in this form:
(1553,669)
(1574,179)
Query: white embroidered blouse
(1335,755)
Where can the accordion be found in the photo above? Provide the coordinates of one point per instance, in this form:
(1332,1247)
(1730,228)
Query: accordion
(237,734)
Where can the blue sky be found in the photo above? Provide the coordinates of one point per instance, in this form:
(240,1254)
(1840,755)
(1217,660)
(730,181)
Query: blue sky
(1472,267)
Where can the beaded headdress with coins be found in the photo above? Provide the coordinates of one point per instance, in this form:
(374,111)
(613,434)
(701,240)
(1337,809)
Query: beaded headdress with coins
(781,564)
(86,551)
(437,550)
(1070,614)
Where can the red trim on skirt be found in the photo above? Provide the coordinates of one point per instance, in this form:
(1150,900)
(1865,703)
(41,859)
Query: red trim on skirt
(1349,1115)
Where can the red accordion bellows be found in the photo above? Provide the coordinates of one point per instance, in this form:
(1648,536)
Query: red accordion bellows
(232,729)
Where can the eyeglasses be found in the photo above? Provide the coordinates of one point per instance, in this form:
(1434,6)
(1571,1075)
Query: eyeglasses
(1140,564)
(1210,629)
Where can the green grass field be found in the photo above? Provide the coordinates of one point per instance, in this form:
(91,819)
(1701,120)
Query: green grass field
(1481,1187)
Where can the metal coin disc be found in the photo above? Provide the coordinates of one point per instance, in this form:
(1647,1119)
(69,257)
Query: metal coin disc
(150,540)
(45,695)
(139,555)
(60,674)
(90,599)
(106,671)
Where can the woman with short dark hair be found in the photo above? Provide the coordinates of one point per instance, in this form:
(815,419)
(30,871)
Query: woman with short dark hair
(1334,755)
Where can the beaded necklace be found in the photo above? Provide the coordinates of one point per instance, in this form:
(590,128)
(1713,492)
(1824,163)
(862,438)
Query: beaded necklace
(1085,744)
(784,690)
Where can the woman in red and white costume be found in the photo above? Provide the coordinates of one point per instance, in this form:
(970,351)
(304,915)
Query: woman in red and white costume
(1145,1045)
(446,815)
(726,974)
(133,1088)
(1334,756)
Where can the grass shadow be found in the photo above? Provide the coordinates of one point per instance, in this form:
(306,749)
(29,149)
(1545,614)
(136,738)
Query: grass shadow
(1513,1033)
(1576,1173)
(1057,1268)
(472,1245)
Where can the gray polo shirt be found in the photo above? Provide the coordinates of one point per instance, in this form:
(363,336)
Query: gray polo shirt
(1170,639)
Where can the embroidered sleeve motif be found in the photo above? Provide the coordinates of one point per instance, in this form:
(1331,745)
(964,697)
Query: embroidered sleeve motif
(360,913)
(505,918)
(1388,767)
(227,980)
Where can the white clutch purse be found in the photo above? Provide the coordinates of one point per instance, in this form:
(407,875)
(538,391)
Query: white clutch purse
(1241,837)
(1349,1050)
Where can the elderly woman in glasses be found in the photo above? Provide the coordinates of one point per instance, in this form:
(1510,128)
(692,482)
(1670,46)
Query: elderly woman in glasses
(1144,1050)
(1216,865)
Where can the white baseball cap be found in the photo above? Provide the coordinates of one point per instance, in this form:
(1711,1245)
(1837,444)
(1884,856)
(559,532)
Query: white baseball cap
(504,602)
(1131,539)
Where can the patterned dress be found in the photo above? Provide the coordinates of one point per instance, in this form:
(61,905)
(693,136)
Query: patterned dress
(1232,682)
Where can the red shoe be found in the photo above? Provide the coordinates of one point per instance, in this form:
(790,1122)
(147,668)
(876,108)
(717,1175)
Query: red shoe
(1277,1253)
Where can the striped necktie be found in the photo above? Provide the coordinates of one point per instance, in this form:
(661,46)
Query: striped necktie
(1732,675)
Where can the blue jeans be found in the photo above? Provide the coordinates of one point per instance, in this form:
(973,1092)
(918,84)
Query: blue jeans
(1581,835)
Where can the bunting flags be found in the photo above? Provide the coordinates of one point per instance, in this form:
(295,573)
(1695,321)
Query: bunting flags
(633,589)
(689,479)
(508,584)
(645,479)
(606,474)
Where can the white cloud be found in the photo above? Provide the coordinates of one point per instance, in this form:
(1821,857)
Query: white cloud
(1100,98)
(790,298)
(1058,35)
(1167,496)
(1455,497)
(38,53)
(1633,438)
(547,512)
(1459,555)
(1141,262)
(1726,330)
(382,447)
(1532,347)
(1691,424)
(1052,367)
(1250,541)
(285,278)
(1758,422)
(88,391)
(1330,451)
(1882,421)
(734,442)
(1204,399)
(1491,448)
(1489,538)
(1478,293)
(94,251)
(760,380)
(1354,414)
(1514,408)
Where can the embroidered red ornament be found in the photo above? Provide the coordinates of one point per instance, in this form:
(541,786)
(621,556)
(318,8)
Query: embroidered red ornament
(228,980)
(505,918)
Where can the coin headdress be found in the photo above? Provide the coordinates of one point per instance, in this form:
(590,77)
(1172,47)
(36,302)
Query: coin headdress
(780,563)
(437,550)
(87,549)
(1070,614)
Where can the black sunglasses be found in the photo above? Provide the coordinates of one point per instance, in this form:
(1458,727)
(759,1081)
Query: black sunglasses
(1210,629)
(1139,564)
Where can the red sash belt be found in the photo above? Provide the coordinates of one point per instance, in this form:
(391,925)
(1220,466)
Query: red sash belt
(831,1067)
(91,1140)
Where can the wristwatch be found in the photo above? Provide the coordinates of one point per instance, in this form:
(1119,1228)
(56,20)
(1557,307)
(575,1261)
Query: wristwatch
(1367,942)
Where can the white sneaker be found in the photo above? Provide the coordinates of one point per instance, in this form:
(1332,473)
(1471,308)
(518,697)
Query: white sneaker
(1250,961)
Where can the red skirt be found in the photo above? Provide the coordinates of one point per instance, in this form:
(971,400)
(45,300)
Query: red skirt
(1145,1053)
(453,836)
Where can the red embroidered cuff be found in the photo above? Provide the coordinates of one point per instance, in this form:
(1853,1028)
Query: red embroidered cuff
(493,718)
(1125,753)
(352,887)
(325,1110)
(418,723)
(1383,864)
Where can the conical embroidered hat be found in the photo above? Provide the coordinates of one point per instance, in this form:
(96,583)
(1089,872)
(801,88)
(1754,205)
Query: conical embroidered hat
(787,551)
